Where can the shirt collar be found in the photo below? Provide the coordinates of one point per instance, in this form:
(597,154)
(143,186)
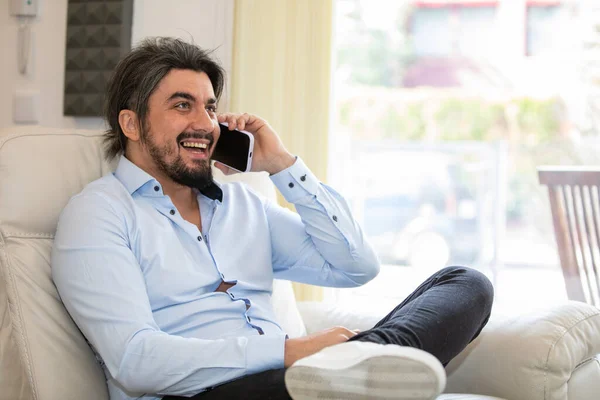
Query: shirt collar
(133,178)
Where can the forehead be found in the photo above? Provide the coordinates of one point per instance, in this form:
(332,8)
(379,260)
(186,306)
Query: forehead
(184,80)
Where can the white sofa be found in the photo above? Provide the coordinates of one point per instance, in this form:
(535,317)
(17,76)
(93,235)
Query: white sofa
(551,355)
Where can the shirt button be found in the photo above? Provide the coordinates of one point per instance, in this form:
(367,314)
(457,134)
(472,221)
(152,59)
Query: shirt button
(199,238)
(291,185)
(334,218)
(232,296)
(156,188)
(249,319)
(303,178)
(172,212)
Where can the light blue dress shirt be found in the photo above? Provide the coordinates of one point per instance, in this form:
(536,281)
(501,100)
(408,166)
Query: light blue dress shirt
(140,281)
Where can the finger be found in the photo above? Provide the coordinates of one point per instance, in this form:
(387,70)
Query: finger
(351,333)
(345,331)
(242,121)
(342,332)
(356,330)
(222,118)
(232,120)
(251,118)
(225,169)
(228,118)
(337,330)
(253,123)
(343,338)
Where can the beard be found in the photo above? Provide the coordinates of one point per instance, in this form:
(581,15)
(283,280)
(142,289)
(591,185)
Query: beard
(199,176)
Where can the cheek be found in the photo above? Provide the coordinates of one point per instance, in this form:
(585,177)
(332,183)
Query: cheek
(217,130)
(165,131)
(163,144)
(168,121)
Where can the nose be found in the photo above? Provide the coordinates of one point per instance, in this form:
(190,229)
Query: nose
(202,121)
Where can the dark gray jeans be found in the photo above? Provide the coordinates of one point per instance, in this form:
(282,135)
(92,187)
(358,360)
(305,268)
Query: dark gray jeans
(442,317)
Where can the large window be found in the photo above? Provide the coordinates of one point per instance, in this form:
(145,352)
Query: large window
(443,111)
(542,21)
(452,30)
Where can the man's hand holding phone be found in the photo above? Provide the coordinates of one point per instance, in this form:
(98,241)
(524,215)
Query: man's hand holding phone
(269,153)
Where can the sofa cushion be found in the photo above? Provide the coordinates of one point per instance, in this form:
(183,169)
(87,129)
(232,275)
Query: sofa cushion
(42,353)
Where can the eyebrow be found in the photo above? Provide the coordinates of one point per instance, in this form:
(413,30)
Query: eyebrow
(190,97)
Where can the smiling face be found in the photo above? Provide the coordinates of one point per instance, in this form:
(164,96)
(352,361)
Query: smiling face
(181,130)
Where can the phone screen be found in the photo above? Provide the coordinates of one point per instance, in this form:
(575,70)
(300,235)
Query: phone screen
(233,149)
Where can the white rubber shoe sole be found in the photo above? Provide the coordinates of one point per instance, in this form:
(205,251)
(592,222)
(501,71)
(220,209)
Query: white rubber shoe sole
(361,370)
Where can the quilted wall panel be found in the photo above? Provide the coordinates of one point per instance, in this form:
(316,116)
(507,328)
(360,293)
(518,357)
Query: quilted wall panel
(98,35)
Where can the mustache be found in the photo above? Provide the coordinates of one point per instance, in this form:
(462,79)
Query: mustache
(196,135)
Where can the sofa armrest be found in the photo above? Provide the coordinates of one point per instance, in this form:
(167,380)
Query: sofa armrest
(541,356)
(548,355)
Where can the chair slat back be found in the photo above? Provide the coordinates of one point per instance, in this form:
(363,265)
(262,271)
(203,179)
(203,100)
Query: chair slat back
(575,206)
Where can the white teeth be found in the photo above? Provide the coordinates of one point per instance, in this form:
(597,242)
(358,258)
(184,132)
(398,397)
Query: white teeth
(197,145)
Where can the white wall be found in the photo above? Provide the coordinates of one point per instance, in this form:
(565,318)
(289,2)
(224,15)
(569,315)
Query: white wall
(208,23)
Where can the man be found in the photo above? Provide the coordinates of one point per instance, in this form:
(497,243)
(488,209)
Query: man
(169,274)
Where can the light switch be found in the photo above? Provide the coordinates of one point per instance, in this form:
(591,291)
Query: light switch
(24,8)
(26,107)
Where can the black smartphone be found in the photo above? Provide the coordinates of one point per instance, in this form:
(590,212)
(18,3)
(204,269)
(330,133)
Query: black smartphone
(234,149)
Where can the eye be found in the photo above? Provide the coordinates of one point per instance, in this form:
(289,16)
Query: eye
(211,108)
(184,105)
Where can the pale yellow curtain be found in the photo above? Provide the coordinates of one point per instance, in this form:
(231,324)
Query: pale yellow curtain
(281,71)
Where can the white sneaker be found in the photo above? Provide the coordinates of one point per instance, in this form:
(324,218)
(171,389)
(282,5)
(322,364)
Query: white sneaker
(363,370)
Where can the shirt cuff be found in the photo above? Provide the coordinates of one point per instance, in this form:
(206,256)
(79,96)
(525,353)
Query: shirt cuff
(264,353)
(296,181)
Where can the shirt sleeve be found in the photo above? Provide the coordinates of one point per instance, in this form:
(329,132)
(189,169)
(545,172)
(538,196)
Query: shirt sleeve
(103,288)
(322,244)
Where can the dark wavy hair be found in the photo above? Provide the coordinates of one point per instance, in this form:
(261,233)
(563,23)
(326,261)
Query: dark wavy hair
(138,74)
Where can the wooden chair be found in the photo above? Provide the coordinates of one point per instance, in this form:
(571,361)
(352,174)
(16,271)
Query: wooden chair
(575,205)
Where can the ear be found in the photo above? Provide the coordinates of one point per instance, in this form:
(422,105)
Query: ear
(129,125)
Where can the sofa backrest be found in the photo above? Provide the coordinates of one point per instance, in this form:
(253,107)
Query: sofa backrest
(43,355)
